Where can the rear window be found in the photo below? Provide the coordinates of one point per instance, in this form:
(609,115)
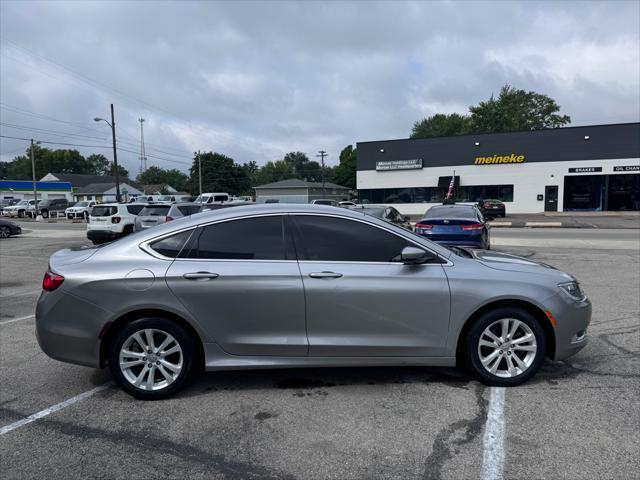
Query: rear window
(220,198)
(155,210)
(187,210)
(450,213)
(100,211)
(134,209)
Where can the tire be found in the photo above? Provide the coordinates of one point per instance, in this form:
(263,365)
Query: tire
(5,232)
(20,213)
(508,371)
(45,213)
(161,388)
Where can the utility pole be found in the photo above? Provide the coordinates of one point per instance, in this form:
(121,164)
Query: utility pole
(143,153)
(200,176)
(35,190)
(115,153)
(322,154)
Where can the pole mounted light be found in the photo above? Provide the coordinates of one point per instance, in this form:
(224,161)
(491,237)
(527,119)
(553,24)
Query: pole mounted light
(112,124)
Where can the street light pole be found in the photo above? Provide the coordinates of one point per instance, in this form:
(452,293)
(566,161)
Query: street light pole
(322,154)
(115,151)
(33,176)
(200,176)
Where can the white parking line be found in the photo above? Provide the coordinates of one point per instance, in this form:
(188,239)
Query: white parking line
(53,409)
(493,441)
(4,322)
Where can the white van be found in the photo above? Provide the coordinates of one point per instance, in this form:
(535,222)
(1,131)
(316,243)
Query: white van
(213,198)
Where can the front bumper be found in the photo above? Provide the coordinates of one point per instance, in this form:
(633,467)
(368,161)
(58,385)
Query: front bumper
(572,320)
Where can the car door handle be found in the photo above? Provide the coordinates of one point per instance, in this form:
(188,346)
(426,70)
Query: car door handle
(325,275)
(200,276)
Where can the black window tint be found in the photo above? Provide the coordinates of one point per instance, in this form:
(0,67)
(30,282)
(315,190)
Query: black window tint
(184,210)
(341,240)
(104,211)
(134,209)
(154,211)
(171,246)
(260,238)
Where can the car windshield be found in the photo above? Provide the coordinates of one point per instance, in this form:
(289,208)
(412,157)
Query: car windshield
(202,198)
(23,202)
(155,211)
(82,204)
(164,198)
(449,212)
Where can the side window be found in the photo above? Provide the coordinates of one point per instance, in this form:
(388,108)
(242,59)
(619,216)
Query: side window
(171,246)
(259,238)
(342,240)
(134,209)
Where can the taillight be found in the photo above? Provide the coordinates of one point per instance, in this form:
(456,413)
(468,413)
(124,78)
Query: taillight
(473,226)
(424,226)
(168,218)
(115,219)
(51,281)
(487,205)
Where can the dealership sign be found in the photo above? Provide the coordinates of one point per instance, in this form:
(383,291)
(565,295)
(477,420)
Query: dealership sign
(495,159)
(411,164)
(627,168)
(585,169)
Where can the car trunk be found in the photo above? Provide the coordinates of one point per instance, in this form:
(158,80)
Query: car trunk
(153,215)
(448,229)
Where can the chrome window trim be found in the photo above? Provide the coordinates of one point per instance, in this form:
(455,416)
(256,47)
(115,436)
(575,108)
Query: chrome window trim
(146,247)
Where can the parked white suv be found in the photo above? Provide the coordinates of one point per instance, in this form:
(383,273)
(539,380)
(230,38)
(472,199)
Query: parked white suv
(213,198)
(80,210)
(110,221)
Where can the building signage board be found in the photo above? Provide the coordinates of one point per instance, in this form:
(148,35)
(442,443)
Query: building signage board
(585,169)
(411,164)
(499,159)
(627,168)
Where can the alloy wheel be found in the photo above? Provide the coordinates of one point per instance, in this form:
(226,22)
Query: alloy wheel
(151,359)
(507,348)
(5,232)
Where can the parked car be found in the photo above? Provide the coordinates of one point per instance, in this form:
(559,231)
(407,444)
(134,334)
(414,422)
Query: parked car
(347,203)
(301,286)
(19,209)
(80,210)
(211,198)
(109,221)
(45,207)
(156,214)
(386,213)
(7,202)
(8,228)
(324,201)
(174,198)
(461,225)
(492,208)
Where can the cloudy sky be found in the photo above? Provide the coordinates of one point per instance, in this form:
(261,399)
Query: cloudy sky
(256,80)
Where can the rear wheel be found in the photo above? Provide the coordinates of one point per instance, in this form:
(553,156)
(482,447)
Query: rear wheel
(20,213)
(5,232)
(45,213)
(151,358)
(506,347)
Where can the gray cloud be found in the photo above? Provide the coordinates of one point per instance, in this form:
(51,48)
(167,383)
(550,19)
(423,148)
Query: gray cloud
(255,80)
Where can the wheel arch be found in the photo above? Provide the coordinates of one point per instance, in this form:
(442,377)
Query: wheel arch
(533,309)
(112,328)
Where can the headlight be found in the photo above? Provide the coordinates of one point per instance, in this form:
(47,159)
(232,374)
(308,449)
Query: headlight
(572,289)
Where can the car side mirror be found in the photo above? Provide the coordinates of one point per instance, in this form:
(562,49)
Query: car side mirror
(413,256)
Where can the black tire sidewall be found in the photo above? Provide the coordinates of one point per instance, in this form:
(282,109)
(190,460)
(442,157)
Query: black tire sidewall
(473,336)
(175,330)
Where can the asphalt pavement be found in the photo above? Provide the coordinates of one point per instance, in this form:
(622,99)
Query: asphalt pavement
(577,419)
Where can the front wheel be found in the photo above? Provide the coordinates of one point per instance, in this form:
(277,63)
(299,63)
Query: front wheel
(151,358)
(5,232)
(45,213)
(506,347)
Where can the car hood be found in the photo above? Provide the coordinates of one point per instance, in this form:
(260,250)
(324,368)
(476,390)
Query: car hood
(513,263)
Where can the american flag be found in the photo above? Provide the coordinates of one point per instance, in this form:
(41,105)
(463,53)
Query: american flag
(451,183)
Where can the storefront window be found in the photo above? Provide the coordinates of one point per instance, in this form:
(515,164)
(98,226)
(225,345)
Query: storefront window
(472,193)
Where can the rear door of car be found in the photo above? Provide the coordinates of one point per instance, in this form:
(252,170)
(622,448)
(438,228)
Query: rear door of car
(239,278)
(360,299)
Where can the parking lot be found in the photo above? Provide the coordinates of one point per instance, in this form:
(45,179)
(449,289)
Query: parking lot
(576,419)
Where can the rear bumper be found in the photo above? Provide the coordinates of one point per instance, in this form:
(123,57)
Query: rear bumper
(102,235)
(474,241)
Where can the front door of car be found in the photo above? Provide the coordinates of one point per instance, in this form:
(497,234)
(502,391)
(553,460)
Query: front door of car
(360,299)
(242,284)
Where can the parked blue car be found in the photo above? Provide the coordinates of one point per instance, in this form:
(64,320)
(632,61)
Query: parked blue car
(455,225)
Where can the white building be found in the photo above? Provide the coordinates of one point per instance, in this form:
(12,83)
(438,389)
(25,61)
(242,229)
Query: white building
(591,168)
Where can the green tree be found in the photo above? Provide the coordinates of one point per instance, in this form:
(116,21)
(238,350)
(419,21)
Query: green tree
(274,172)
(441,125)
(123,172)
(100,164)
(345,172)
(156,175)
(219,174)
(516,110)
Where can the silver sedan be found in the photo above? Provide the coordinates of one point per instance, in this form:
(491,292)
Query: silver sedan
(270,286)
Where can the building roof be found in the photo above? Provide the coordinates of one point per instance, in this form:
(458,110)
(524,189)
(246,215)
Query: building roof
(157,188)
(297,183)
(95,188)
(81,180)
